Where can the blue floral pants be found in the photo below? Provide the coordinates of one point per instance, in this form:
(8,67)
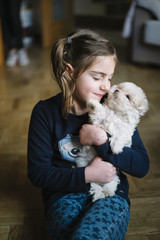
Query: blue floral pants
(75,217)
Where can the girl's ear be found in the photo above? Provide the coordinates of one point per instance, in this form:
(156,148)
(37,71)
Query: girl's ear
(69,69)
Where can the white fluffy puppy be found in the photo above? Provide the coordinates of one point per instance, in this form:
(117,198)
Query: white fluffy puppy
(118,115)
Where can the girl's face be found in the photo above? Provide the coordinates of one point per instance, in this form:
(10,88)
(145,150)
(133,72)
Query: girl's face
(95,82)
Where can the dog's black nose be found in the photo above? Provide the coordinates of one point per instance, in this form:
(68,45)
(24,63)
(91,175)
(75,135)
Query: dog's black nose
(116,90)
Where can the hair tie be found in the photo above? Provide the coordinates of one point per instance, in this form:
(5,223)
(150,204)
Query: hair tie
(69,40)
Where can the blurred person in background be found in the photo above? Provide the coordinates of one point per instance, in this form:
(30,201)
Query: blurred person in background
(12,33)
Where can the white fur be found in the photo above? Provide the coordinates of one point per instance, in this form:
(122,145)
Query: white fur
(118,116)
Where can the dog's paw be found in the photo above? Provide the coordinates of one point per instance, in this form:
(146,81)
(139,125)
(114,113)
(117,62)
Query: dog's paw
(96,192)
(92,105)
(109,189)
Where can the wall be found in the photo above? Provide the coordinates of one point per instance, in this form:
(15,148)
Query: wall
(89,8)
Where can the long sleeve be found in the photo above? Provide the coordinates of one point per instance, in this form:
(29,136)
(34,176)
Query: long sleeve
(44,169)
(133,161)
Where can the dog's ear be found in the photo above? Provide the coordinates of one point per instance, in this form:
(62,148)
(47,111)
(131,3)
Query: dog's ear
(141,104)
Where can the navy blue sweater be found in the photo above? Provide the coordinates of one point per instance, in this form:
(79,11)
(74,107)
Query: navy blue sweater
(52,148)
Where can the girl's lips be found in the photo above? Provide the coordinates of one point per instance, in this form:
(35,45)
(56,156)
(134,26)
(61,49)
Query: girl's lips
(98,95)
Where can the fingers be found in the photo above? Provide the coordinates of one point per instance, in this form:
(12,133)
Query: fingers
(92,135)
(100,171)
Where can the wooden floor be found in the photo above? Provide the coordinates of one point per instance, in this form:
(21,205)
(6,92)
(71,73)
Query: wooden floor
(21,211)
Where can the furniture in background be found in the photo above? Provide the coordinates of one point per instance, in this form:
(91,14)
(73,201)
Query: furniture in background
(145,36)
(56,20)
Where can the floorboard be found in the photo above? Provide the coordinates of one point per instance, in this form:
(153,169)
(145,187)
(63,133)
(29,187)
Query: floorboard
(21,208)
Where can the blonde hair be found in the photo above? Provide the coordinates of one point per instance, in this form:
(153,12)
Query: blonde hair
(80,50)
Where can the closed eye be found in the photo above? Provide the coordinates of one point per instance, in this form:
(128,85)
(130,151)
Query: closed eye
(127,96)
(96,78)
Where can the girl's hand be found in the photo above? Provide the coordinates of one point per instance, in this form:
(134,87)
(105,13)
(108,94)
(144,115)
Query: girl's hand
(92,135)
(99,171)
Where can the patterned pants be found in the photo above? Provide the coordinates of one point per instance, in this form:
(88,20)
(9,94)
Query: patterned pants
(75,217)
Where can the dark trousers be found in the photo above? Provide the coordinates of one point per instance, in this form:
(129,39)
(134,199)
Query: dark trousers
(75,217)
(11,23)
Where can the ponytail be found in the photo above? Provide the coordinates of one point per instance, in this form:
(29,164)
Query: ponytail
(64,80)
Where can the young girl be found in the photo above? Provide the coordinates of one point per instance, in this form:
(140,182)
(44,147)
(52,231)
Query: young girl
(83,64)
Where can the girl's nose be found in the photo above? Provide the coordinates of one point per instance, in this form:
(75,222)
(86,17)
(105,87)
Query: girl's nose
(105,86)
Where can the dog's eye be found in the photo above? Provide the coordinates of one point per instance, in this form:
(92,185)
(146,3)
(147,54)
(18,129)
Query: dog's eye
(127,96)
(116,91)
